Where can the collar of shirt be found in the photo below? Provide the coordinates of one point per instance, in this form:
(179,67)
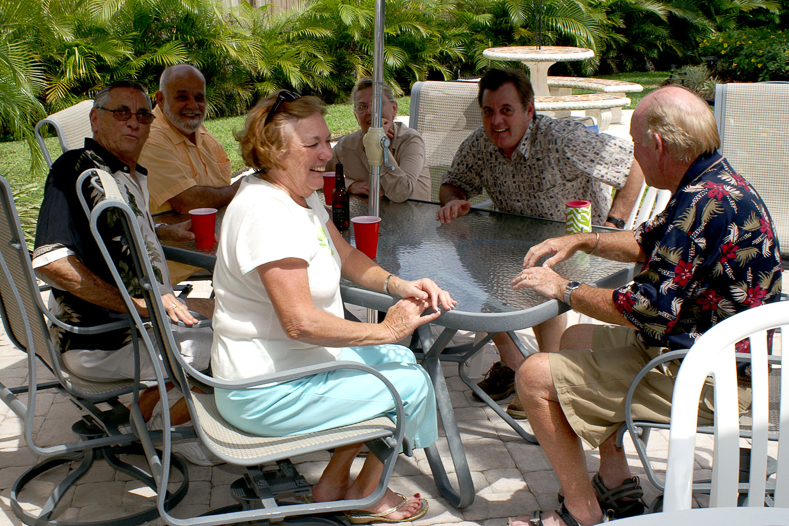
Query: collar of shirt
(525,145)
(699,166)
(115,164)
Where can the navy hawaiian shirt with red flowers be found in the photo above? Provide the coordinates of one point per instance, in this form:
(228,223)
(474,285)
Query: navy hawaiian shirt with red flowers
(711,253)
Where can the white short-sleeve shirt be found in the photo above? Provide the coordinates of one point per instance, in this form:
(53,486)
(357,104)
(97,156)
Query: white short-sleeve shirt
(263,224)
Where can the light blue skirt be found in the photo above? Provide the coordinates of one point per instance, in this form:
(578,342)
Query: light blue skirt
(338,398)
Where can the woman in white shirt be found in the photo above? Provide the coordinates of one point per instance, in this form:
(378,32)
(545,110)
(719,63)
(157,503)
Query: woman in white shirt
(278,307)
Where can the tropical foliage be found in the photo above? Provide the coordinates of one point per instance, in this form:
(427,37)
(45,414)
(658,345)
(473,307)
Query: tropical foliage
(750,54)
(56,52)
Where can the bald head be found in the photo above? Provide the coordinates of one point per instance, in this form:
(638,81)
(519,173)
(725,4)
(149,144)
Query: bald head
(182,98)
(181,71)
(682,120)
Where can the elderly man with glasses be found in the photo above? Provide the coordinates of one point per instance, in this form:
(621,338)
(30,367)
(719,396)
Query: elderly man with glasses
(407,176)
(68,257)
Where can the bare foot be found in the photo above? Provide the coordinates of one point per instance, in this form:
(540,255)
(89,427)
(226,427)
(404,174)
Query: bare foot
(392,500)
(325,492)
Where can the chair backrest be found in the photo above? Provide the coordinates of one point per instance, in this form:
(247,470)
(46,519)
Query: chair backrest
(650,203)
(753,121)
(714,355)
(444,114)
(24,318)
(72,126)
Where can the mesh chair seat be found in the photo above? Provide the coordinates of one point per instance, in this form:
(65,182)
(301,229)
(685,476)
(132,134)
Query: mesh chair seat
(248,449)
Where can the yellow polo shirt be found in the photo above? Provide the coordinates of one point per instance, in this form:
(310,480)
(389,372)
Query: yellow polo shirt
(174,165)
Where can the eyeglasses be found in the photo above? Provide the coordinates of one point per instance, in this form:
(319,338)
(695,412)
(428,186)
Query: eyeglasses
(362,108)
(282,96)
(124,114)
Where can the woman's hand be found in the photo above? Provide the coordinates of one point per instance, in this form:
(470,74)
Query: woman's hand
(177,310)
(422,289)
(405,316)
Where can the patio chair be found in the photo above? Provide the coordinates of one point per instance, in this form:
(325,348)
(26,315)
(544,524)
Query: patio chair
(753,121)
(262,491)
(748,427)
(72,125)
(651,202)
(714,355)
(101,428)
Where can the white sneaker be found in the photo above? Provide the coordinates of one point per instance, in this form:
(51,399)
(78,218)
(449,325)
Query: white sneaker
(196,453)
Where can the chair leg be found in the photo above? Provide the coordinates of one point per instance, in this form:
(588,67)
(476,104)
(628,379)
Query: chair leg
(87,459)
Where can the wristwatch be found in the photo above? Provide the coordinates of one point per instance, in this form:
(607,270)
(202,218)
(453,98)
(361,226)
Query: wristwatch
(571,286)
(618,223)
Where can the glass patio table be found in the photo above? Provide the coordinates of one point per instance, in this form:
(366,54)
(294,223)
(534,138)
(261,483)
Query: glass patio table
(474,258)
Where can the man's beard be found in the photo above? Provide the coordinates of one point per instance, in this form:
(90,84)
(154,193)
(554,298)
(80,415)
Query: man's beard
(185,126)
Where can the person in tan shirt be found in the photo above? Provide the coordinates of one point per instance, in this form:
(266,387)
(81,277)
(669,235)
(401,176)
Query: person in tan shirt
(410,177)
(187,167)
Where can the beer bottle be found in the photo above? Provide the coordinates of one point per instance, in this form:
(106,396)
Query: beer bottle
(340,201)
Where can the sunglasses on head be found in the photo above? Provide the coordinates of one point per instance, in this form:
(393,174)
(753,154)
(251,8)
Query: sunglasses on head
(124,114)
(282,96)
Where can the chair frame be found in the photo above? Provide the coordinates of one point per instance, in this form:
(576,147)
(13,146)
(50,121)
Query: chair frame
(385,442)
(24,313)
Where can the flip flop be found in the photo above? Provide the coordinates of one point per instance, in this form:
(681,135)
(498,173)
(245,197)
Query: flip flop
(366,517)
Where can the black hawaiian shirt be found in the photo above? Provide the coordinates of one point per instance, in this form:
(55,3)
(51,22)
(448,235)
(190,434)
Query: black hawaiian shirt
(711,253)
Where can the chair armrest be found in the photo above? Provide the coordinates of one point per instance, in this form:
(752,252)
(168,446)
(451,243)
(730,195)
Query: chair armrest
(189,257)
(659,360)
(95,329)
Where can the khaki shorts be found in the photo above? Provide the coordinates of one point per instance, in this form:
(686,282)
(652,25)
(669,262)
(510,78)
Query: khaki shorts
(592,385)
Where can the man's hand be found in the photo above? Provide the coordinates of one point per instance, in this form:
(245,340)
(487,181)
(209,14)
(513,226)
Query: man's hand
(176,232)
(561,248)
(452,210)
(543,280)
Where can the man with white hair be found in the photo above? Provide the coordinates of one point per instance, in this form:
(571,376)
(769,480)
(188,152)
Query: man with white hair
(187,167)
(711,253)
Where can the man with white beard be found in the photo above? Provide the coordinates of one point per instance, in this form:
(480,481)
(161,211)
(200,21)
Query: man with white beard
(187,167)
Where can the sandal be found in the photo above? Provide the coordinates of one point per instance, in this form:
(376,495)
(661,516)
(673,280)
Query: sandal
(626,500)
(565,515)
(366,517)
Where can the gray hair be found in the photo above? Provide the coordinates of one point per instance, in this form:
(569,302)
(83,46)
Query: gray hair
(103,96)
(685,124)
(367,82)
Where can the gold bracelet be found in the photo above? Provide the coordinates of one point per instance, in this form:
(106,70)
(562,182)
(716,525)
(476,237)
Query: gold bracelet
(597,242)
(386,283)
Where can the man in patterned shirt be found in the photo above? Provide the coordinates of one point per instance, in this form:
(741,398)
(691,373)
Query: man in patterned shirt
(532,165)
(712,253)
(68,257)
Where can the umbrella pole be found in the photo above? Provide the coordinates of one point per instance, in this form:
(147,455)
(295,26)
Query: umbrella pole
(378,80)
(375,133)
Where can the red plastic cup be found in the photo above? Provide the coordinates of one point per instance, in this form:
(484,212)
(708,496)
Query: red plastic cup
(365,231)
(328,186)
(204,226)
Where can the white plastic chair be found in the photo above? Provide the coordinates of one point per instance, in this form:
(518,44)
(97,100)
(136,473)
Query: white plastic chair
(652,202)
(714,355)
(72,125)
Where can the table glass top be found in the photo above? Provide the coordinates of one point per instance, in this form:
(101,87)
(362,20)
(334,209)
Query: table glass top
(476,256)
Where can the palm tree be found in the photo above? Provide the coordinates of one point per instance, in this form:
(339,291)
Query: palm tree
(21,73)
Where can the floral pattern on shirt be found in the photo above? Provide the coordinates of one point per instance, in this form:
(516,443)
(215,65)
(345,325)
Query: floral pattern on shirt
(710,254)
